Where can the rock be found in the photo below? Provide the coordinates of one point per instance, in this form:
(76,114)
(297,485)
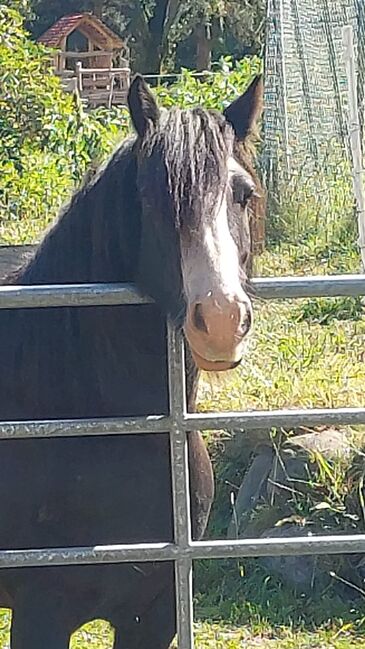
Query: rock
(331,443)
(274,477)
(276,473)
(299,572)
(251,489)
(295,463)
(280,478)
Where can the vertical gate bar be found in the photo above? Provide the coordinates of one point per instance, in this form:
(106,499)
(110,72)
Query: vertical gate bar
(180,488)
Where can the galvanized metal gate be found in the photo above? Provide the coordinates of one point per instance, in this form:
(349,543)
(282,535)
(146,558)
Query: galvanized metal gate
(183,551)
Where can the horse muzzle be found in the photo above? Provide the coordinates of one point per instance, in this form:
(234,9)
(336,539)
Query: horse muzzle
(215,329)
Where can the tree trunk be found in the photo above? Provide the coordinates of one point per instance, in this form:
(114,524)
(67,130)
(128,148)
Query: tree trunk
(155,47)
(98,8)
(203,48)
(151,63)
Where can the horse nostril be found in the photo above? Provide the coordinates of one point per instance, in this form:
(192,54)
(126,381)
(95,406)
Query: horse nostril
(198,318)
(246,321)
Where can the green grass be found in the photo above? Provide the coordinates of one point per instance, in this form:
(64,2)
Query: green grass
(302,353)
(216,636)
(213,635)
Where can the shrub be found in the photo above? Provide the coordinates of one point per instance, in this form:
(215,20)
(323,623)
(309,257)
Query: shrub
(47,140)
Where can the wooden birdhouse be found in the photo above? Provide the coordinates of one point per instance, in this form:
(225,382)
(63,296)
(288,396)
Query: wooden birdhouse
(89,56)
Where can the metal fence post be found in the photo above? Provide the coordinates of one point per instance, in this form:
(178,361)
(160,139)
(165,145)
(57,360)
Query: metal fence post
(180,487)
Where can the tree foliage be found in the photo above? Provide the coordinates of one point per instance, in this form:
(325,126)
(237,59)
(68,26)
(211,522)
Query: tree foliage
(48,142)
(216,92)
(155,28)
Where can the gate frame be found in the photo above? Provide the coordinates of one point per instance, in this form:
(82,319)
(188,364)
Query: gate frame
(178,423)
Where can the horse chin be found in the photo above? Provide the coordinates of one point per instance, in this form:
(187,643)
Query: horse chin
(213,366)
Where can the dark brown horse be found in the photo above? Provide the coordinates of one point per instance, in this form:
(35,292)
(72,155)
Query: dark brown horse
(170,212)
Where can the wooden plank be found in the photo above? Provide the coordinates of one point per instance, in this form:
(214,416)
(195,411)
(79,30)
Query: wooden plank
(95,79)
(103,84)
(91,78)
(85,55)
(102,99)
(12,257)
(114,71)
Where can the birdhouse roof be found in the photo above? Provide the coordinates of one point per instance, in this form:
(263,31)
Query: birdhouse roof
(88,25)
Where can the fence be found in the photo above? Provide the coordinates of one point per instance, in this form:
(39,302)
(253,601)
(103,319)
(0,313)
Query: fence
(103,86)
(307,128)
(178,422)
(306,86)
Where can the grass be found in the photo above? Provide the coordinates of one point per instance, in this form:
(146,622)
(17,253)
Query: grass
(213,635)
(303,353)
(216,636)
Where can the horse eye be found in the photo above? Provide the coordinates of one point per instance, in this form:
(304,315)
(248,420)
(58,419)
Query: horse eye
(242,191)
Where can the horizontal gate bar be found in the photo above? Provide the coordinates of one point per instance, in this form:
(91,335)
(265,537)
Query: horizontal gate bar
(72,295)
(142,552)
(84,427)
(55,295)
(192,422)
(289,419)
(309,286)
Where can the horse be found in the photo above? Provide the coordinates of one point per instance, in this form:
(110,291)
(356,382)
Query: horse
(170,211)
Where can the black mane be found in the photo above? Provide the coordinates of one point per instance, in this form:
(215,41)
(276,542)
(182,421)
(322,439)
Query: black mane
(95,238)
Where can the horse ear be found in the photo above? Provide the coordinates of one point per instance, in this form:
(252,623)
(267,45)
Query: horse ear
(142,106)
(245,111)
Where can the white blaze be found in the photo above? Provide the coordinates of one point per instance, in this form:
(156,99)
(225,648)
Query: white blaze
(210,265)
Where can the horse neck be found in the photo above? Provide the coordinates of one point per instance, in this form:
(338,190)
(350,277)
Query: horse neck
(91,243)
(96,237)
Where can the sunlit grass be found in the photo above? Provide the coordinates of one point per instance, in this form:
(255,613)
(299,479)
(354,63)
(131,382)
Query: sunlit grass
(294,360)
(213,635)
(94,635)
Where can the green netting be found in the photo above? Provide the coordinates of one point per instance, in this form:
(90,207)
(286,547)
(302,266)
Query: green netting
(360,9)
(306,153)
(306,87)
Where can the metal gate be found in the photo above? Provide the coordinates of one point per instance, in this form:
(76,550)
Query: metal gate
(178,422)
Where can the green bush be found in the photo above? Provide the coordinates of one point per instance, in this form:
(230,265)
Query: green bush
(47,140)
(229,80)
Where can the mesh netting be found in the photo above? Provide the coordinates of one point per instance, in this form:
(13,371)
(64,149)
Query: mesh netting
(306,86)
(360,8)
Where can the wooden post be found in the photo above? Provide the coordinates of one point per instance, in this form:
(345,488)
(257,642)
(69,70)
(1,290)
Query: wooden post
(63,55)
(355,135)
(360,11)
(79,76)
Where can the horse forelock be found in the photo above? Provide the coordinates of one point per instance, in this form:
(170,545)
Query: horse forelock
(194,146)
